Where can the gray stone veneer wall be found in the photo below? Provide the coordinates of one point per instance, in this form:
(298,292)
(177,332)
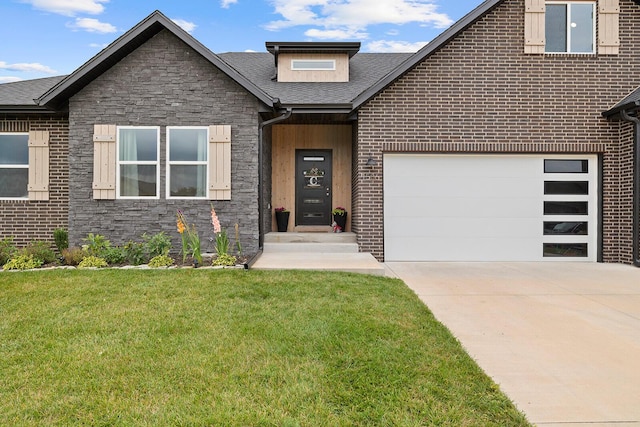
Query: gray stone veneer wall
(163,83)
(481,93)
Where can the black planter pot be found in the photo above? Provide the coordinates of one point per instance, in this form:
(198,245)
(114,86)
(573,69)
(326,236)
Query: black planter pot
(341,220)
(282,219)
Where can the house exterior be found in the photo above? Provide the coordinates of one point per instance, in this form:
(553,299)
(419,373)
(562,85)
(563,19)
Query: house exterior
(510,137)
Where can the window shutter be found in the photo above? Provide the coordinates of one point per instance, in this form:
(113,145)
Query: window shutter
(608,27)
(220,162)
(534,38)
(38,165)
(104,162)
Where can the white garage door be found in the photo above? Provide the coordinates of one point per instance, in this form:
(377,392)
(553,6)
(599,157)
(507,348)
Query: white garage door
(490,207)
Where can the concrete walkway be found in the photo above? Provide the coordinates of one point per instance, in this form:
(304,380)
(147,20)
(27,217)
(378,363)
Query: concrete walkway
(561,339)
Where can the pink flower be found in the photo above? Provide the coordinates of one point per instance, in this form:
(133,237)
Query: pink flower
(215,221)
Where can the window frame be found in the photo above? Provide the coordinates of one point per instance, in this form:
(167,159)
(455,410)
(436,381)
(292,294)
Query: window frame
(18,166)
(119,163)
(312,61)
(170,163)
(594,20)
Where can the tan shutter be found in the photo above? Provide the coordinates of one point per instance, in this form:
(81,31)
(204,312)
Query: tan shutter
(38,165)
(220,162)
(534,37)
(104,162)
(608,27)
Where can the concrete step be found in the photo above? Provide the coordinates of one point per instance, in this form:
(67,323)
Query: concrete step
(304,247)
(297,237)
(350,262)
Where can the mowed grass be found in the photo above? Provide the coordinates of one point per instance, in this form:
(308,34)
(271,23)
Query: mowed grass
(231,347)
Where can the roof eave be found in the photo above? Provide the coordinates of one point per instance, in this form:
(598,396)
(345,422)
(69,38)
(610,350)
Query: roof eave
(615,111)
(25,109)
(126,44)
(433,46)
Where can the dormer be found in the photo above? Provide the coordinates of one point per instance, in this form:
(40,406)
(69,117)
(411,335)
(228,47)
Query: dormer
(312,62)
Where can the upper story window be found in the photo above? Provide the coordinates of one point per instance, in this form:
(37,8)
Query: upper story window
(313,64)
(570,27)
(14,165)
(138,164)
(187,159)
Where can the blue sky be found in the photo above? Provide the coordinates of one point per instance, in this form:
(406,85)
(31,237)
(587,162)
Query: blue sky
(44,38)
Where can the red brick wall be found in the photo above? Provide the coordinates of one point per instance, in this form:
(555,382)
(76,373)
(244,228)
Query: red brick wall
(481,93)
(26,220)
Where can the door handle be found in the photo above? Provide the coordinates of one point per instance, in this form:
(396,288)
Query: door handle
(328,191)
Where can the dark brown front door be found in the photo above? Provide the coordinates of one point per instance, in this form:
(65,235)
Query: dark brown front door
(313,187)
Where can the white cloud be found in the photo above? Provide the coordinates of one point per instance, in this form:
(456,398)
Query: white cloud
(98,45)
(185,25)
(226,3)
(92,25)
(387,46)
(335,34)
(24,67)
(356,15)
(9,79)
(69,7)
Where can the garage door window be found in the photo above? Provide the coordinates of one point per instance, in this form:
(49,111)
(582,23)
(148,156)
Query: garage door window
(566,208)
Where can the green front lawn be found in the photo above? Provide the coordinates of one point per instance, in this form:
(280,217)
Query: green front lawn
(231,347)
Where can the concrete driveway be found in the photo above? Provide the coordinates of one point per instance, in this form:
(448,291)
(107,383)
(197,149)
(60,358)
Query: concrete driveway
(561,339)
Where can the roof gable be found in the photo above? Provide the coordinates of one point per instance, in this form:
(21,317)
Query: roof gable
(126,44)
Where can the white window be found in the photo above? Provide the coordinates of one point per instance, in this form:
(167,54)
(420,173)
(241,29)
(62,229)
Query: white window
(570,27)
(138,162)
(313,64)
(14,165)
(187,162)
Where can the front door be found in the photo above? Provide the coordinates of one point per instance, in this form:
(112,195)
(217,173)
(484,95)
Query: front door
(313,187)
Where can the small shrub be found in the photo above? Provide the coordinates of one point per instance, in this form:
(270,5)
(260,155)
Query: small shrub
(61,238)
(134,252)
(157,244)
(41,252)
(97,244)
(73,256)
(22,262)
(93,261)
(114,255)
(161,261)
(7,249)
(224,259)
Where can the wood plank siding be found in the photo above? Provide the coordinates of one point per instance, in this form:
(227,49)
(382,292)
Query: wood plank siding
(288,138)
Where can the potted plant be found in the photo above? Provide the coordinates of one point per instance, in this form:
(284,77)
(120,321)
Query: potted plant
(282,219)
(340,218)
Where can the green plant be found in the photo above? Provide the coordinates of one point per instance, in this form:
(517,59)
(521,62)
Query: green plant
(61,238)
(224,260)
(238,244)
(96,244)
(114,255)
(157,244)
(190,239)
(22,262)
(222,241)
(93,262)
(7,249)
(41,251)
(73,256)
(339,211)
(134,252)
(160,261)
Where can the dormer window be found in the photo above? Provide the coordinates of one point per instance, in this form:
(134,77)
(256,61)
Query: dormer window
(313,64)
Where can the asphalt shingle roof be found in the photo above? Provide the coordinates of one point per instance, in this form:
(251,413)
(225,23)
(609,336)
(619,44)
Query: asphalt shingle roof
(365,69)
(24,92)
